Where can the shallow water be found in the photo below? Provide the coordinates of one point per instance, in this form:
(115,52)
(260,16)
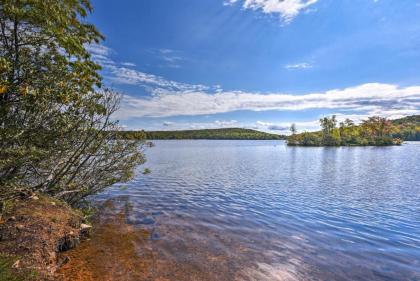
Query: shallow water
(259,210)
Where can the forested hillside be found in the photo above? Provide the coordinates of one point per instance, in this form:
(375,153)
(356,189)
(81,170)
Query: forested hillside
(407,128)
(217,134)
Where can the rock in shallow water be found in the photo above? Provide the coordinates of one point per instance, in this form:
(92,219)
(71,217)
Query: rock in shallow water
(85,231)
(154,235)
(147,220)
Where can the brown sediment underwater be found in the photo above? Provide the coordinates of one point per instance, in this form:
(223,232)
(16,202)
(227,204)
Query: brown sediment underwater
(118,250)
(110,254)
(256,211)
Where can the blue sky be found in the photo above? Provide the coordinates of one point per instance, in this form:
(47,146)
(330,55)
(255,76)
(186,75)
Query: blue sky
(263,64)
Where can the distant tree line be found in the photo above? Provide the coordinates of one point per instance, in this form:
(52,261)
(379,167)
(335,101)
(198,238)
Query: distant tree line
(215,134)
(407,128)
(373,131)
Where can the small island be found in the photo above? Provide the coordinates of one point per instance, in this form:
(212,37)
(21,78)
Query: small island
(375,131)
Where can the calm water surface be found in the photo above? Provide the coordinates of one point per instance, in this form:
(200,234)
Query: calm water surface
(259,210)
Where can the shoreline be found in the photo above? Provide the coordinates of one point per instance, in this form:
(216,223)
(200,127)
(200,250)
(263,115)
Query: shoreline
(33,234)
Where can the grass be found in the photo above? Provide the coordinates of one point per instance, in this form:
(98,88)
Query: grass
(8,273)
(6,208)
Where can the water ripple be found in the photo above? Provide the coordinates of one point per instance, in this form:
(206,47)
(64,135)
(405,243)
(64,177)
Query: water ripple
(281,213)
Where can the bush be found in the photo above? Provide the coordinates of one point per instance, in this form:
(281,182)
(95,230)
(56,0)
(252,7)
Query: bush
(56,132)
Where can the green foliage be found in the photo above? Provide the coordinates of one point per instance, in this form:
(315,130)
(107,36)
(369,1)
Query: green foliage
(56,133)
(44,37)
(6,208)
(309,139)
(219,134)
(131,135)
(407,128)
(87,210)
(8,273)
(373,131)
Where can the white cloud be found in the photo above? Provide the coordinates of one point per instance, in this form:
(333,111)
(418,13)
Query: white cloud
(262,124)
(301,65)
(172,98)
(197,125)
(101,54)
(168,123)
(286,9)
(226,123)
(129,64)
(281,127)
(171,58)
(169,55)
(374,98)
(97,49)
(124,73)
(229,2)
(275,127)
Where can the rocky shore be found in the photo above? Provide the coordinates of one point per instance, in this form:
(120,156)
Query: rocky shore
(34,231)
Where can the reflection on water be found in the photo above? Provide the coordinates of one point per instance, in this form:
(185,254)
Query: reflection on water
(258,210)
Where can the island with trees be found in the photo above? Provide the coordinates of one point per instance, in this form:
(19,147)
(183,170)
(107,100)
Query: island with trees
(375,131)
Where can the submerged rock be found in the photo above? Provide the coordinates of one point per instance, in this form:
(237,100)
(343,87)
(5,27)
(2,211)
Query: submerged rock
(67,242)
(155,235)
(85,231)
(147,220)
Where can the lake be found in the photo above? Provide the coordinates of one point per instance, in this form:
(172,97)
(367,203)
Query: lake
(259,210)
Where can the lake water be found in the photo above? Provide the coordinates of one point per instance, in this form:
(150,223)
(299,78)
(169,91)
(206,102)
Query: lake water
(259,210)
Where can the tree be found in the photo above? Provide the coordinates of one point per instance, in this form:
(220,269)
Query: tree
(330,135)
(40,37)
(293,129)
(57,134)
(377,130)
(348,122)
(328,125)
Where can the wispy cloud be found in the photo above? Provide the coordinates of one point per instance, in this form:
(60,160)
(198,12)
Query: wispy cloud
(284,127)
(101,54)
(286,9)
(124,75)
(98,49)
(129,64)
(172,98)
(226,123)
(261,125)
(125,72)
(167,123)
(301,65)
(171,58)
